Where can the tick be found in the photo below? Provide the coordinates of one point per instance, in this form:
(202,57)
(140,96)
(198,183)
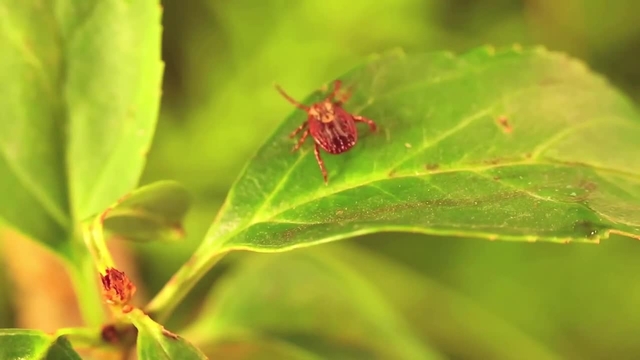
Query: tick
(332,128)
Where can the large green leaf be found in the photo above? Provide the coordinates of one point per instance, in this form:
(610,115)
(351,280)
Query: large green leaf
(34,345)
(521,145)
(154,342)
(80,99)
(517,145)
(307,301)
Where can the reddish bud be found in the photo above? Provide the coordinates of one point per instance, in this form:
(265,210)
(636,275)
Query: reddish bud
(116,287)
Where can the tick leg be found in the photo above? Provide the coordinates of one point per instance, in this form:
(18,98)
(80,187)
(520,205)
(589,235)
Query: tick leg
(336,87)
(371,123)
(290,99)
(320,163)
(301,141)
(296,131)
(344,97)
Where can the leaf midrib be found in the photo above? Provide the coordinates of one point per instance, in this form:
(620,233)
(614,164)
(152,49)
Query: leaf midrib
(476,170)
(221,242)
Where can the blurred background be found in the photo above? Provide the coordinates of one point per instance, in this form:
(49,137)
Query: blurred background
(219,105)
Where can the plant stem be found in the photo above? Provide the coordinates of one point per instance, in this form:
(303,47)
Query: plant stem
(85,283)
(93,235)
(82,336)
(163,304)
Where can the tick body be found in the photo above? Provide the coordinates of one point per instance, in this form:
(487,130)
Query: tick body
(332,128)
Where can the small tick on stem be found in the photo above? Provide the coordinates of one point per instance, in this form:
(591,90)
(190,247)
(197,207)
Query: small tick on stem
(333,128)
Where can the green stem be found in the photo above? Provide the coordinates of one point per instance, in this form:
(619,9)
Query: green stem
(163,304)
(85,283)
(93,235)
(82,336)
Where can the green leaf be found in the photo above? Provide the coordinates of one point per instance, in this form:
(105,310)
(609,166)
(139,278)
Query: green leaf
(252,348)
(80,108)
(154,342)
(445,317)
(308,301)
(520,145)
(34,345)
(151,212)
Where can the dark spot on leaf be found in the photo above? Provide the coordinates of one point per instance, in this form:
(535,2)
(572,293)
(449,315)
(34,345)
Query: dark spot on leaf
(588,229)
(528,155)
(496,178)
(493,161)
(432,166)
(503,121)
(392,173)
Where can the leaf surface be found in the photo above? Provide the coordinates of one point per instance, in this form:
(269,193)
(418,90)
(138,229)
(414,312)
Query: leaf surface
(79,110)
(520,145)
(34,345)
(444,316)
(309,302)
(154,342)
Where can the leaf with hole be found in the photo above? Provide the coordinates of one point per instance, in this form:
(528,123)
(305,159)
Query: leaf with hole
(523,145)
(80,110)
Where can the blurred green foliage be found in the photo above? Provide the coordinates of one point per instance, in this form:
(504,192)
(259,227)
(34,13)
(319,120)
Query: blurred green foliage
(219,105)
(222,58)
(6,316)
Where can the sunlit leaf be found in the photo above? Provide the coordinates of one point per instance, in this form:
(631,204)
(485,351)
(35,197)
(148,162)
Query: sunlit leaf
(310,302)
(155,342)
(34,345)
(80,102)
(518,145)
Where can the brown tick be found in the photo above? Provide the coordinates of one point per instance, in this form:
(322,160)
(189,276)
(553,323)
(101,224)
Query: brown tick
(333,129)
